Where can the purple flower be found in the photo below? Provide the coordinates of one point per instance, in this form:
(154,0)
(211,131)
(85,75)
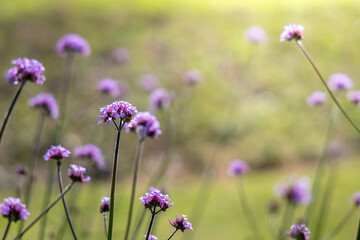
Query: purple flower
(13,209)
(20,170)
(299,232)
(76,173)
(73,43)
(354,96)
(57,153)
(144,124)
(151,237)
(256,34)
(26,69)
(192,76)
(105,205)
(156,199)
(340,81)
(335,148)
(316,98)
(148,82)
(181,223)
(237,167)
(161,98)
(109,86)
(91,152)
(292,31)
(120,109)
(121,55)
(356,198)
(46,102)
(295,190)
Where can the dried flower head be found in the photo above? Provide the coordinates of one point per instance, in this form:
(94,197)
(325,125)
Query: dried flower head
(13,209)
(105,205)
(120,109)
(73,43)
(292,31)
(91,152)
(316,98)
(299,232)
(144,124)
(237,167)
(340,81)
(149,82)
(46,102)
(181,223)
(20,170)
(256,34)
(151,237)
(161,98)
(26,69)
(295,190)
(354,96)
(121,55)
(193,76)
(356,198)
(57,153)
(76,173)
(156,199)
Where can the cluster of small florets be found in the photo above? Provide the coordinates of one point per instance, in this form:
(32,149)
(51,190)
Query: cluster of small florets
(316,98)
(152,237)
(340,81)
(161,98)
(237,167)
(91,152)
(76,173)
(292,31)
(26,69)
(57,153)
(144,124)
(109,86)
(181,223)
(156,199)
(120,109)
(13,209)
(73,43)
(256,34)
(299,232)
(193,76)
(296,191)
(47,102)
(105,205)
(354,96)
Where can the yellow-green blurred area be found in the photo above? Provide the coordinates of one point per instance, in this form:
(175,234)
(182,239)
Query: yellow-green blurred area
(250,105)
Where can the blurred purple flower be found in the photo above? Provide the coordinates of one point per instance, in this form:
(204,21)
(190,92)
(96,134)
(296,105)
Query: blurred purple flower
(292,31)
(148,82)
(181,223)
(161,98)
(295,190)
(57,153)
(91,152)
(13,209)
(156,199)
(151,237)
(237,167)
(354,96)
(109,86)
(76,173)
(73,43)
(256,34)
(119,109)
(20,170)
(26,69)
(299,232)
(120,55)
(47,102)
(340,81)
(356,198)
(144,124)
(335,148)
(316,98)
(105,205)
(193,76)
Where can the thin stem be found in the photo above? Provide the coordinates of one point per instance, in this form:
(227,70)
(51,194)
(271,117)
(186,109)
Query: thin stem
(113,182)
(45,210)
(342,223)
(10,109)
(63,200)
(151,223)
(105,227)
(326,86)
(139,224)
(6,230)
(358,232)
(136,169)
(287,218)
(172,234)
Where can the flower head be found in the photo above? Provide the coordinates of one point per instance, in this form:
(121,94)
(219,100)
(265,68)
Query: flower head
(105,205)
(76,173)
(26,69)
(354,96)
(156,199)
(46,102)
(316,98)
(119,109)
(13,209)
(356,198)
(91,152)
(152,237)
(20,170)
(73,43)
(181,223)
(144,124)
(148,82)
(237,167)
(295,190)
(299,232)
(340,81)
(193,76)
(109,86)
(292,31)
(57,153)
(161,98)
(121,55)
(256,34)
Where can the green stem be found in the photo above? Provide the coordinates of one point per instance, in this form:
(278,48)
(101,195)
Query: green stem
(6,230)
(153,213)
(287,218)
(342,223)
(358,232)
(172,234)
(105,227)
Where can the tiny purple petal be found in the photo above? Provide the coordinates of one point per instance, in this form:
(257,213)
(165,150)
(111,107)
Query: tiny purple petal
(73,43)
(316,98)
(91,152)
(57,153)
(76,173)
(256,34)
(292,31)
(151,237)
(340,81)
(46,102)
(105,205)
(13,209)
(237,167)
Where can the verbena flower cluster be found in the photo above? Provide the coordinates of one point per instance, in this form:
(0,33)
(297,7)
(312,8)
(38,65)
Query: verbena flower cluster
(193,76)
(109,86)
(76,173)
(120,109)
(47,102)
(316,98)
(237,167)
(161,98)
(120,55)
(181,223)
(292,31)
(91,152)
(26,69)
(105,205)
(295,190)
(340,82)
(57,153)
(354,96)
(73,43)
(13,209)
(299,232)
(156,199)
(144,124)
(256,34)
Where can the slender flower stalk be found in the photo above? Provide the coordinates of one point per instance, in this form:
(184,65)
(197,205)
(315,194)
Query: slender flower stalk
(342,222)
(105,227)
(6,230)
(287,218)
(153,213)
(174,232)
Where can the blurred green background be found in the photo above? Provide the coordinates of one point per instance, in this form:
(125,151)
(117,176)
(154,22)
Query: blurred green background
(250,105)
